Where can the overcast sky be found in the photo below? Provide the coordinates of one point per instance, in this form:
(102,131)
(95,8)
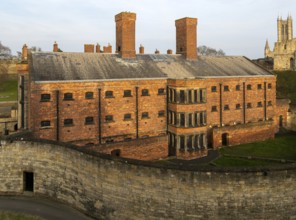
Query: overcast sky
(239,27)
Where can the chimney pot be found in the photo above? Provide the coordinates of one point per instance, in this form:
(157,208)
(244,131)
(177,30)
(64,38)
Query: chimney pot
(98,48)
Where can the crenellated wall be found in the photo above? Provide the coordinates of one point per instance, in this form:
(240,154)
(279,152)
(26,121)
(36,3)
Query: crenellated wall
(126,189)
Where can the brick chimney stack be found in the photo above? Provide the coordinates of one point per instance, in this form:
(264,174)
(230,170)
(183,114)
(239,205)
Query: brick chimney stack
(25,52)
(89,48)
(55,47)
(126,34)
(98,48)
(186,37)
(141,49)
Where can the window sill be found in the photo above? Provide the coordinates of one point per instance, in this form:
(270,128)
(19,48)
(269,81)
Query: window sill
(71,125)
(89,98)
(68,99)
(89,123)
(45,100)
(127,96)
(145,95)
(46,127)
(130,119)
(161,94)
(109,97)
(143,118)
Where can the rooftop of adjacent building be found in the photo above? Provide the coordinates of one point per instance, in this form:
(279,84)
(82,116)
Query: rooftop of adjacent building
(51,66)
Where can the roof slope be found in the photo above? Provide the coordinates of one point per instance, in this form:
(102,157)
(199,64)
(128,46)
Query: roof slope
(48,66)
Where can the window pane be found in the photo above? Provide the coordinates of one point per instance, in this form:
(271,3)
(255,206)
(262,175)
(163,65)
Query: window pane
(68,96)
(45,97)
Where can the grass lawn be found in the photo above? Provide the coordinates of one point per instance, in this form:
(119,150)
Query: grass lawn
(5,215)
(241,162)
(283,147)
(8,90)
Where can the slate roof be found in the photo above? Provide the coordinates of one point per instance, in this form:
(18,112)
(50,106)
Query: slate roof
(49,66)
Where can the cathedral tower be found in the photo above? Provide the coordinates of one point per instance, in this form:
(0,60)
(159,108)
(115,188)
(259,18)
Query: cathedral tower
(285,29)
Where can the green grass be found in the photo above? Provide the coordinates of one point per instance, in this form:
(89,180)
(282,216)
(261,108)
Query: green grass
(241,162)
(283,147)
(286,84)
(8,90)
(5,215)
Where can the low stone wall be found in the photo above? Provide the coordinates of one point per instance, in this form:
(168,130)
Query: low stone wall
(125,189)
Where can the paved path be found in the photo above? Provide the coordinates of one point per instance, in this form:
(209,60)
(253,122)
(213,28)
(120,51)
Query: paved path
(47,209)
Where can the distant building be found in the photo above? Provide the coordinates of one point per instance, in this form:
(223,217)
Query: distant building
(148,106)
(284,51)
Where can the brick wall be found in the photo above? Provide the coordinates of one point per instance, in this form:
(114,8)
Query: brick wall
(245,133)
(142,149)
(78,108)
(281,114)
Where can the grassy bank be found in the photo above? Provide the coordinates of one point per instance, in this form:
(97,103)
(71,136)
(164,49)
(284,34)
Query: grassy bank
(5,215)
(8,90)
(281,148)
(286,84)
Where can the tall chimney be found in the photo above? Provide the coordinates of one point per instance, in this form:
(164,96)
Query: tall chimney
(98,48)
(89,48)
(25,52)
(186,37)
(126,34)
(55,47)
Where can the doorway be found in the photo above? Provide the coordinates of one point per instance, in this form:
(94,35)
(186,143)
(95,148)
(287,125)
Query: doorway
(292,64)
(281,121)
(225,138)
(29,181)
(116,152)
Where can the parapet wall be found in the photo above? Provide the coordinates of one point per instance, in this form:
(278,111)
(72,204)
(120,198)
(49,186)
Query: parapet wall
(125,189)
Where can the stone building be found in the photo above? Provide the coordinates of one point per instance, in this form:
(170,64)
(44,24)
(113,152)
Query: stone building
(284,51)
(148,106)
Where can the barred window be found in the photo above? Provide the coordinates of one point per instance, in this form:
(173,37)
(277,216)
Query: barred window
(237,87)
(109,94)
(249,87)
(68,121)
(226,107)
(145,115)
(45,97)
(89,120)
(161,113)
(145,92)
(214,89)
(127,117)
(45,123)
(237,106)
(214,108)
(226,88)
(109,118)
(259,86)
(161,91)
(68,96)
(89,95)
(127,93)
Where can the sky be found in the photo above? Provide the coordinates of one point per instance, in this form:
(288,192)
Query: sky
(238,27)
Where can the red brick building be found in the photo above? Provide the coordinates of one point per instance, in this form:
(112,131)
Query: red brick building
(149,106)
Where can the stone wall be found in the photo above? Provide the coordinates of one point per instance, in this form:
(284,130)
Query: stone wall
(123,189)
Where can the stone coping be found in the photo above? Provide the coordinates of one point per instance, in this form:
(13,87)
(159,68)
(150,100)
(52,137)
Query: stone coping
(25,137)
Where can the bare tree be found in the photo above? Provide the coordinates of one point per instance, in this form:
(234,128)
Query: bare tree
(5,52)
(208,51)
(35,49)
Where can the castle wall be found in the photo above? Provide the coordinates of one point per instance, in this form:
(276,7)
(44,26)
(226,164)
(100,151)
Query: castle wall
(108,189)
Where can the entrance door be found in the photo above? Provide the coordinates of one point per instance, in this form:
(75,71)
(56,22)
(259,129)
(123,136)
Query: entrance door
(29,181)
(225,139)
(292,64)
(281,121)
